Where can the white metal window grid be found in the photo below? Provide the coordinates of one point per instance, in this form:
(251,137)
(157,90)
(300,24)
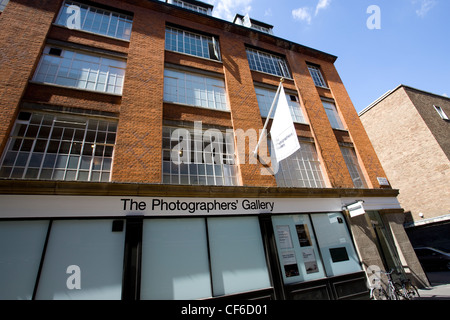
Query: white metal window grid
(201,169)
(265,98)
(80,70)
(54,147)
(195,90)
(354,169)
(267,63)
(192,43)
(441,112)
(190,6)
(316,74)
(99,21)
(3,4)
(333,115)
(302,169)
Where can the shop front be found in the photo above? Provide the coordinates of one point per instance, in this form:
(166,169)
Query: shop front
(168,247)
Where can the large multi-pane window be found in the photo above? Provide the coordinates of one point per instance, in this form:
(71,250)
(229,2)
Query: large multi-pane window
(353,166)
(316,74)
(189,6)
(76,15)
(199,258)
(194,89)
(192,43)
(59,147)
(198,156)
(268,63)
(80,70)
(333,115)
(302,169)
(265,99)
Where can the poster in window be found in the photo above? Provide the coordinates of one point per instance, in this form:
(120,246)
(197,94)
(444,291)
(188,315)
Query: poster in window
(290,264)
(309,259)
(284,237)
(303,235)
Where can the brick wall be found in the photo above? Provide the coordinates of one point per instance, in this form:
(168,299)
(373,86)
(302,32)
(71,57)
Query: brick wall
(141,109)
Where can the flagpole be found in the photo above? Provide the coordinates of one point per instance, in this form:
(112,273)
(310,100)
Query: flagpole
(255,153)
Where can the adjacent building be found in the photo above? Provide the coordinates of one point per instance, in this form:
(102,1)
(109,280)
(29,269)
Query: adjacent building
(127,169)
(410,131)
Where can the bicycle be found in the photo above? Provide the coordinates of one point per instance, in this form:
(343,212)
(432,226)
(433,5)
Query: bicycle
(378,292)
(407,290)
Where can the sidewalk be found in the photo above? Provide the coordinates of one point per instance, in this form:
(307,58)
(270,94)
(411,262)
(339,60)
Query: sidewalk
(438,292)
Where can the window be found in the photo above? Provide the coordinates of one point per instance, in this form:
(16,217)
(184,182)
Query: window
(93,247)
(333,115)
(3,4)
(265,98)
(190,6)
(195,156)
(194,89)
(268,63)
(59,147)
(441,112)
(21,247)
(353,166)
(302,169)
(317,76)
(314,246)
(81,70)
(97,20)
(201,258)
(191,43)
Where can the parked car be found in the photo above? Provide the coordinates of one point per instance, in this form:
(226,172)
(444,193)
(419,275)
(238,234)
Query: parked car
(433,259)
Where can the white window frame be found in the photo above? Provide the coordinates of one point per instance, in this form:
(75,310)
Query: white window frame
(81,70)
(317,76)
(265,98)
(441,112)
(190,6)
(202,167)
(194,89)
(53,146)
(183,41)
(333,115)
(95,20)
(351,160)
(302,169)
(267,63)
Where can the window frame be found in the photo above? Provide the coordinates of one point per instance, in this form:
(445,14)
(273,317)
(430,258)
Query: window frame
(184,96)
(317,76)
(55,145)
(333,115)
(128,18)
(68,58)
(212,43)
(277,63)
(353,166)
(314,178)
(198,170)
(441,112)
(297,118)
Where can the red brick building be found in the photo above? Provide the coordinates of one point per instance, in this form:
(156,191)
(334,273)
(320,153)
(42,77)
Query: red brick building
(96,98)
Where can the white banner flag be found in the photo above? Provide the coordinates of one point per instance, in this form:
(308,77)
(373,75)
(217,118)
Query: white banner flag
(283,134)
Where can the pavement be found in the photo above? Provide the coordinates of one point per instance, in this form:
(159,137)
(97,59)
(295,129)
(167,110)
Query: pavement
(440,287)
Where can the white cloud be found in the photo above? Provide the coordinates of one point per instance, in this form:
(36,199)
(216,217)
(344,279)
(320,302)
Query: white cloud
(302,14)
(445,95)
(227,9)
(305,13)
(425,6)
(323,4)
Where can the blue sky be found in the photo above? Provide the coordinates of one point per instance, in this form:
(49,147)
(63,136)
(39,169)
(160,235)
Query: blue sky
(412,47)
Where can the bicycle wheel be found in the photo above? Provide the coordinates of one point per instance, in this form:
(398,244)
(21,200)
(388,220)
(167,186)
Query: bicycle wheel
(413,292)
